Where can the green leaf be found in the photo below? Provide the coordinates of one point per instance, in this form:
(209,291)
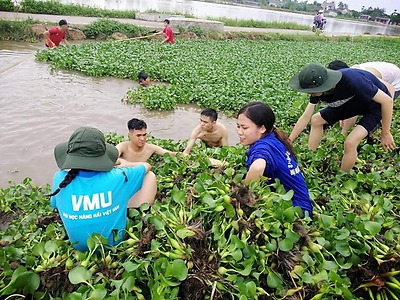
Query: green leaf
(179,196)
(184,233)
(177,270)
(288,196)
(373,227)
(343,248)
(51,246)
(350,184)
(329,265)
(209,200)
(285,244)
(273,280)
(27,281)
(342,234)
(157,221)
(327,221)
(129,284)
(98,293)
(79,274)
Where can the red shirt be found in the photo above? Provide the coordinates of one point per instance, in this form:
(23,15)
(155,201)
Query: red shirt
(169,35)
(56,36)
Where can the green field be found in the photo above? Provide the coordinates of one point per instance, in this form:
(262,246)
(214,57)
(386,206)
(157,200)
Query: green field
(208,236)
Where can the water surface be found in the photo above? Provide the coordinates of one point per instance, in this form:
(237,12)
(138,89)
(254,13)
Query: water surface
(41,108)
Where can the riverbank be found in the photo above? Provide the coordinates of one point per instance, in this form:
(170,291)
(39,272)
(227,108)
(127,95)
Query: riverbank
(79,20)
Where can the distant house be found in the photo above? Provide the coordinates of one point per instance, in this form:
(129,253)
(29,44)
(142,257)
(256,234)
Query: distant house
(382,20)
(327,6)
(364,17)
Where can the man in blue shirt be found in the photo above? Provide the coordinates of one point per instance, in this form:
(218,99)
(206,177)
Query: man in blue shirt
(347,93)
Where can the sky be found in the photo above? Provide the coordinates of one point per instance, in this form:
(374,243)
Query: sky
(388,5)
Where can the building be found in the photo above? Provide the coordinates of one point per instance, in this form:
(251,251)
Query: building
(327,6)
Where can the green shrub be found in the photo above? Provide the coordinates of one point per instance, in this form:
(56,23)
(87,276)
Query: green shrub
(55,8)
(197,30)
(17,30)
(108,27)
(6,5)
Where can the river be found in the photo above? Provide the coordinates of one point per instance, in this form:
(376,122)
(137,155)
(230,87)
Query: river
(205,9)
(42,107)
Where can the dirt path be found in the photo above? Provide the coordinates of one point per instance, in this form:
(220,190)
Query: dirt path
(77,20)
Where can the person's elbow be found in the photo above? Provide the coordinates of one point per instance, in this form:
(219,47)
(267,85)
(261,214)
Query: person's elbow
(147,166)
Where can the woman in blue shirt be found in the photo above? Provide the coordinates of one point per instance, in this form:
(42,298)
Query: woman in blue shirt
(90,194)
(270,154)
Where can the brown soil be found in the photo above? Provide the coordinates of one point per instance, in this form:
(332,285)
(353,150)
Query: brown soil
(148,235)
(7,217)
(55,280)
(205,265)
(47,220)
(372,272)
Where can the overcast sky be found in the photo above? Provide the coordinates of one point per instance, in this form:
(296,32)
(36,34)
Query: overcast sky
(388,5)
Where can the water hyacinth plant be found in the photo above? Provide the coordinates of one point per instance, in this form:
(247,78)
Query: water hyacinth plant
(208,236)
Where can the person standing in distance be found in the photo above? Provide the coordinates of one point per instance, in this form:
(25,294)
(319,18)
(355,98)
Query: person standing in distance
(168,34)
(54,36)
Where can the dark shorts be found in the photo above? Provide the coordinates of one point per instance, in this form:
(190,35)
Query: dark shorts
(371,114)
(396,94)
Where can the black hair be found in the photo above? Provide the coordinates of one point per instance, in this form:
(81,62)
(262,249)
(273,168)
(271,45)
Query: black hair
(136,124)
(337,65)
(67,180)
(62,22)
(262,115)
(166,21)
(142,76)
(211,113)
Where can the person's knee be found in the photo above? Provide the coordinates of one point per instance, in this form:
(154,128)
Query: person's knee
(350,145)
(317,120)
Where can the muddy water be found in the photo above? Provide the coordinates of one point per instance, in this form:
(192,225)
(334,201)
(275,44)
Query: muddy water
(41,108)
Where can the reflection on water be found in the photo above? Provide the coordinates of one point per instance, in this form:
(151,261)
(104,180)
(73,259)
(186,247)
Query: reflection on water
(41,108)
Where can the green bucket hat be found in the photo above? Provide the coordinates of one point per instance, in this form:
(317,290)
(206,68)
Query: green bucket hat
(86,150)
(315,78)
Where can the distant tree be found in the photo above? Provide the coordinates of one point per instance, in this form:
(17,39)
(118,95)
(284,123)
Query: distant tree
(395,17)
(341,5)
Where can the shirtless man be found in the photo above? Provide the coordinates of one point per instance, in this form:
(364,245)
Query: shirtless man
(137,149)
(209,131)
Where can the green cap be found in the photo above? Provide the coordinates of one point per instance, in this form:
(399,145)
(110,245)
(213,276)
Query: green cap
(315,78)
(86,150)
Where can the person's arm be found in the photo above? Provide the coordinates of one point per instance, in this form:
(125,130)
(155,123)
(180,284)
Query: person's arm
(127,164)
(48,41)
(256,170)
(390,87)
(120,147)
(224,139)
(302,121)
(192,140)
(161,151)
(64,40)
(386,103)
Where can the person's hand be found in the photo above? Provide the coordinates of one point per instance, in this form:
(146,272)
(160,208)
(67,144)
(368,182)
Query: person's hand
(387,141)
(341,123)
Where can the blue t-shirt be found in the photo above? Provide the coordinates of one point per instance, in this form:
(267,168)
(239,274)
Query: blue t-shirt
(281,165)
(356,86)
(96,202)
